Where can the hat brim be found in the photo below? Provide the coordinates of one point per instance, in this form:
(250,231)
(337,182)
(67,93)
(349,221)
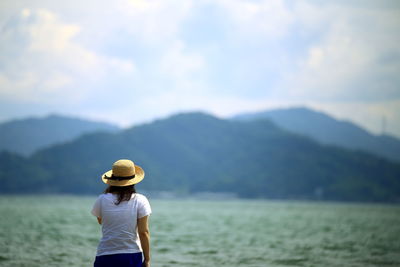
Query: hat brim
(139,175)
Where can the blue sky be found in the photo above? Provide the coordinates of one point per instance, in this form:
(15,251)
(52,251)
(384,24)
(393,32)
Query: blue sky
(132,61)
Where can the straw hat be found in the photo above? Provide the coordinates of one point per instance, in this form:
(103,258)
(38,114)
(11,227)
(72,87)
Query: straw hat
(124,172)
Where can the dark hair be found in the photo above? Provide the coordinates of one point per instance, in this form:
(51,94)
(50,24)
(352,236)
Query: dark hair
(124,193)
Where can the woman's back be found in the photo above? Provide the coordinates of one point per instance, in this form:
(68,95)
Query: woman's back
(123,215)
(119,223)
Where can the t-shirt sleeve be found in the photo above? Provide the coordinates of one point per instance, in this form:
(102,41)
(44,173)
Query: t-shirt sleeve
(144,208)
(96,210)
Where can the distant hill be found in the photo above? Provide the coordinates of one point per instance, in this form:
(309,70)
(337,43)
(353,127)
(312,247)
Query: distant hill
(197,152)
(25,136)
(328,130)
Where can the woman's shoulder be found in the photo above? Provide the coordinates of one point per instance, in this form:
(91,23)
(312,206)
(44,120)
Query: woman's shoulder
(105,196)
(139,197)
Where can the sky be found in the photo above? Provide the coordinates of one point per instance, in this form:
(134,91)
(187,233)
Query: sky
(132,61)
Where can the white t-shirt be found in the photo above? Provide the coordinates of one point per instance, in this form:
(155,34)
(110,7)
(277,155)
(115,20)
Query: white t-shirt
(119,223)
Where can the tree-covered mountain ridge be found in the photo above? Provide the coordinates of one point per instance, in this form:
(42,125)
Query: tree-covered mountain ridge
(196,152)
(25,136)
(328,130)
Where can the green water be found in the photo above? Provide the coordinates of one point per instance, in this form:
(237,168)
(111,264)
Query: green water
(59,231)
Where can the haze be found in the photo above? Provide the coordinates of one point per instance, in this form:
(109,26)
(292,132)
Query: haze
(132,61)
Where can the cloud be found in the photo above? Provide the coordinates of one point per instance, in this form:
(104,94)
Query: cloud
(152,21)
(270,19)
(180,65)
(356,56)
(41,62)
(134,60)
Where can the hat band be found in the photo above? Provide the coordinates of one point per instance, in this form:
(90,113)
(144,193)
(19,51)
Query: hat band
(120,178)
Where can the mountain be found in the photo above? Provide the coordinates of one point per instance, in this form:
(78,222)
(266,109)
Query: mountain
(328,130)
(28,135)
(197,152)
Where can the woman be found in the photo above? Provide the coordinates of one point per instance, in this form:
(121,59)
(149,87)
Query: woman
(123,215)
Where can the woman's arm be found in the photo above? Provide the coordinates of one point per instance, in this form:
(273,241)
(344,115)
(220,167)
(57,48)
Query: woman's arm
(144,235)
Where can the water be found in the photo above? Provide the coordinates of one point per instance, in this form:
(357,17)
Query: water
(59,231)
